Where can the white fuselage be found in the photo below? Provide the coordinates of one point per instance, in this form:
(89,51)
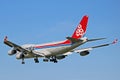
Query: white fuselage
(47,52)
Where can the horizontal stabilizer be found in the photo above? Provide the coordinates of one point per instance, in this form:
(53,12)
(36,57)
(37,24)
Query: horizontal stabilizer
(89,40)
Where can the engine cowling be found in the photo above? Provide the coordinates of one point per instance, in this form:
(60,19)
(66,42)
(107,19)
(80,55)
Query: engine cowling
(60,57)
(84,53)
(20,55)
(12,52)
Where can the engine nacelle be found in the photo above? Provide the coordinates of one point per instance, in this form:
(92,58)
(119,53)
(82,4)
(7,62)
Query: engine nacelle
(60,57)
(19,55)
(84,53)
(12,52)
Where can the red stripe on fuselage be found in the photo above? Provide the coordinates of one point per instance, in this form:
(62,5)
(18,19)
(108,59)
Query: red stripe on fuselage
(53,44)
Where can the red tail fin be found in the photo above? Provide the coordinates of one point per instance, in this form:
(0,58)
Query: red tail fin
(81,28)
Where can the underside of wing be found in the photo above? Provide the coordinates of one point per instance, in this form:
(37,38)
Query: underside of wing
(11,44)
(86,51)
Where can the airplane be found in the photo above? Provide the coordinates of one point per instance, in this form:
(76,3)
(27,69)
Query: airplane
(52,52)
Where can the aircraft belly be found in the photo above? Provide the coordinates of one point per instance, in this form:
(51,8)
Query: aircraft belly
(53,51)
(59,50)
(62,49)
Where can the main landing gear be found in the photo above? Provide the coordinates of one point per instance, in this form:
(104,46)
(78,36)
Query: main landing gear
(36,60)
(51,59)
(23,62)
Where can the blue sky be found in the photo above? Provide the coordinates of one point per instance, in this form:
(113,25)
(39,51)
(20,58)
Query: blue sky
(39,21)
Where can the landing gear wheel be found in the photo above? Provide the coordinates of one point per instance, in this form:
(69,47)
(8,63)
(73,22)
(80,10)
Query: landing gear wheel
(55,61)
(51,60)
(36,60)
(23,62)
(45,60)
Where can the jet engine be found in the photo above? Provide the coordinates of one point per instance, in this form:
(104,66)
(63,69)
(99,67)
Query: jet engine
(84,53)
(12,51)
(19,55)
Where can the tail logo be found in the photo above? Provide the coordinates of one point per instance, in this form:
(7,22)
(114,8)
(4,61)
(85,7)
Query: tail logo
(79,31)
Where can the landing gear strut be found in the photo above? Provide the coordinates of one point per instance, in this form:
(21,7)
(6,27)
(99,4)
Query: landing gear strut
(53,59)
(23,62)
(36,59)
(45,60)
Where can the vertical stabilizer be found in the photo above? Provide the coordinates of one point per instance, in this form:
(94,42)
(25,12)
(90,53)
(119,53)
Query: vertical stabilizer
(81,28)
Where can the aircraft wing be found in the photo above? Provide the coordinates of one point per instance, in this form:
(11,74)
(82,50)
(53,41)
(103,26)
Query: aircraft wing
(11,44)
(91,48)
(20,49)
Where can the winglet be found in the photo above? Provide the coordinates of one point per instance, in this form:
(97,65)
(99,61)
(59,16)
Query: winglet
(115,41)
(5,39)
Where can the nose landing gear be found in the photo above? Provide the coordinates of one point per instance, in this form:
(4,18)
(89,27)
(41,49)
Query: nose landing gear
(23,62)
